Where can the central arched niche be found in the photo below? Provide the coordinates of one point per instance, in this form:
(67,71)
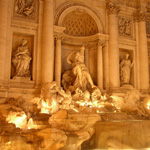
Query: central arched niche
(83,27)
(78,23)
(79,13)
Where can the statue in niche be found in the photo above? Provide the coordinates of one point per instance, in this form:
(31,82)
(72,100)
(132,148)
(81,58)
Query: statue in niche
(79,76)
(125,69)
(25,7)
(21,59)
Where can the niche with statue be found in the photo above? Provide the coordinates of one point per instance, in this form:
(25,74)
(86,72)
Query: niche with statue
(22,56)
(126,68)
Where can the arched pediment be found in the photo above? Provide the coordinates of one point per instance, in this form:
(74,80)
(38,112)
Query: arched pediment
(79,20)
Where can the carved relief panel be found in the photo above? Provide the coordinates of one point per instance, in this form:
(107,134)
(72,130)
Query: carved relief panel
(22,57)
(125,26)
(25,8)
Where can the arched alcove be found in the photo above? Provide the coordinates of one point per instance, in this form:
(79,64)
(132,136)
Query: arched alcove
(79,23)
(82,27)
(81,14)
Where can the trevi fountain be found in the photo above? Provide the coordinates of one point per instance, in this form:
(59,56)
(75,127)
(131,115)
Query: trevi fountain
(74,75)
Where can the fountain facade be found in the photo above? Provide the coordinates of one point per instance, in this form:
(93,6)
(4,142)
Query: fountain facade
(74,74)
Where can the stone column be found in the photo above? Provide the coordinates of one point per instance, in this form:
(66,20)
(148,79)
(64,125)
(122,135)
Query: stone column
(3,37)
(114,79)
(87,57)
(58,64)
(143,51)
(106,66)
(47,43)
(100,65)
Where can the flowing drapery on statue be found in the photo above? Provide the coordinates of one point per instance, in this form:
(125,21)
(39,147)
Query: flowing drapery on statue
(79,76)
(125,69)
(21,60)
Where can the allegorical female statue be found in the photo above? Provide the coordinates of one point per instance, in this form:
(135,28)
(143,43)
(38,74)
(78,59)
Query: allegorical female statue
(21,60)
(125,69)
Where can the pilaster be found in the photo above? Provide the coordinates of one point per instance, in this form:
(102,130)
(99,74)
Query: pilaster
(140,17)
(3,35)
(58,64)
(114,78)
(100,64)
(47,42)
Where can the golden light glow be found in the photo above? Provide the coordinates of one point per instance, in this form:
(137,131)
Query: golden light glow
(148,105)
(90,104)
(117,100)
(31,124)
(9,142)
(17,118)
(103,97)
(20,120)
(47,107)
(75,110)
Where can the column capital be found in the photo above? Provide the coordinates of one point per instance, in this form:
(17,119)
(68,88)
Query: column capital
(140,16)
(58,36)
(101,43)
(59,32)
(112,8)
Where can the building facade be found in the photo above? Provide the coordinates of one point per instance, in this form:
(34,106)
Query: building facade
(52,29)
(103,44)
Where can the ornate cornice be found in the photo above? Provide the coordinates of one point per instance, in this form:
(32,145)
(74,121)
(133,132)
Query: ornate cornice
(112,8)
(140,16)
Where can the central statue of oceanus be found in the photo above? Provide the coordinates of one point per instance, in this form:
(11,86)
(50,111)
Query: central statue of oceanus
(78,77)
